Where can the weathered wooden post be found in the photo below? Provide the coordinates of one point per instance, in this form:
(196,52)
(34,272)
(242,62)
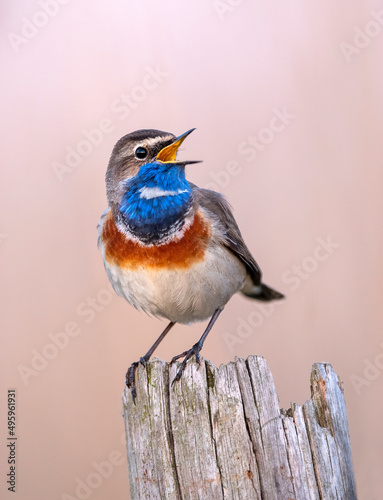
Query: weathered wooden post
(218,433)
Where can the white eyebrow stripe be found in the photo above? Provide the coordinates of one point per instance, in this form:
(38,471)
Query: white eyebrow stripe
(154,192)
(152,141)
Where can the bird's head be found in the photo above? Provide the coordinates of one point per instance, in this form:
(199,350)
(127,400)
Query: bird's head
(146,185)
(154,149)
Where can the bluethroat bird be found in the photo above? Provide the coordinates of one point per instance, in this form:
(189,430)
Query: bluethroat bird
(170,248)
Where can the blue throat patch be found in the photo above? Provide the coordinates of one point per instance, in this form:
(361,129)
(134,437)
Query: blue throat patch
(156,201)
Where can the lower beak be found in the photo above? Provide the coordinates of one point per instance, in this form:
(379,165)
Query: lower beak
(168,153)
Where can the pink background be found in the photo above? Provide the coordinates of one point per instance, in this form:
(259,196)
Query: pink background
(317,178)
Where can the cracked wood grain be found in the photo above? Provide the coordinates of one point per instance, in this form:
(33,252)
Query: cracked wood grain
(152,472)
(219,433)
(239,475)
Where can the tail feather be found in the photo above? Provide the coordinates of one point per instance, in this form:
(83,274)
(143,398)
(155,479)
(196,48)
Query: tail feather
(264,292)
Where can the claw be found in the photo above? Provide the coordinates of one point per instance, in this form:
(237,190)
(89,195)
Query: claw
(198,357)
(174,358)
(143,361)
(133,392)
(131,373)
(195,350)
(130,378)
(196,347)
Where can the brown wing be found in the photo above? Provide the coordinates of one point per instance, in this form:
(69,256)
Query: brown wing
(220,209)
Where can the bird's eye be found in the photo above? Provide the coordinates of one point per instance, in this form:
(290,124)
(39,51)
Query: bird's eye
(141,153)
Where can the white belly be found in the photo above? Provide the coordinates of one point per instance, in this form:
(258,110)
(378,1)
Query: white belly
(182,296)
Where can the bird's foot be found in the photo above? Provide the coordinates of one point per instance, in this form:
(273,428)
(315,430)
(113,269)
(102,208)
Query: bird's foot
(195,350)
(131,376)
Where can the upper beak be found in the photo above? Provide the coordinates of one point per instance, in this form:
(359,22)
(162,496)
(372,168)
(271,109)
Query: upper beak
(168,153)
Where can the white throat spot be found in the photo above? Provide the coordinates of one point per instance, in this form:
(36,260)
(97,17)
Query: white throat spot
(154,192)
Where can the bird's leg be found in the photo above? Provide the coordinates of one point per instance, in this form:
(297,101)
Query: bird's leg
(131,373)
(196,347)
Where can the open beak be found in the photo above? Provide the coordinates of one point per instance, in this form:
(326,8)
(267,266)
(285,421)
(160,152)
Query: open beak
(168,153)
